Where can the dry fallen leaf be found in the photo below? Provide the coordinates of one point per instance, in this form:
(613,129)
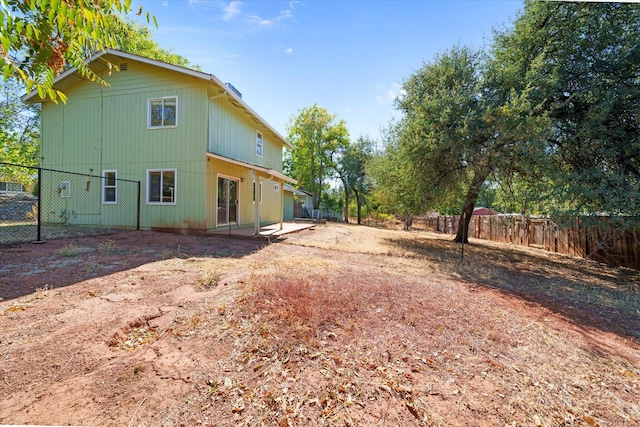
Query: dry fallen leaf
(589,420)
(238,406)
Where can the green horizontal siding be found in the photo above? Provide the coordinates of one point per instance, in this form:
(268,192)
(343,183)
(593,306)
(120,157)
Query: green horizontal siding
(233,134)
(106,129)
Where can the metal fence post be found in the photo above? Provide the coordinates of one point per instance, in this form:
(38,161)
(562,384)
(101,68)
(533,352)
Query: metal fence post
(39,222)
(464,223)
(138,213)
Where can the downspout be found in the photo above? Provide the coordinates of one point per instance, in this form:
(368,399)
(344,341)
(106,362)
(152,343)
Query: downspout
(281,205)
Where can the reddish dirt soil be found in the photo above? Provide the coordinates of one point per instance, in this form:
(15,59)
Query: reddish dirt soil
(146,328)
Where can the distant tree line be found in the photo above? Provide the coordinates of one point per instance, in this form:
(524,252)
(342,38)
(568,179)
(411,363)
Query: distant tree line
(544,121)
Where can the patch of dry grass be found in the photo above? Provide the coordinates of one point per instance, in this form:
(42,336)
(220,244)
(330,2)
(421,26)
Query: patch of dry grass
(353,348)
(395,330)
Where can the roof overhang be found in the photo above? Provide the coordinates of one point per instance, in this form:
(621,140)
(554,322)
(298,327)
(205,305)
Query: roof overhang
(297,191)
(274,173)
(33,96)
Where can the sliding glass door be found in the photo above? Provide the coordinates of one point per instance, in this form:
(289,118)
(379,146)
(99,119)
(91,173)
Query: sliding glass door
(227,201)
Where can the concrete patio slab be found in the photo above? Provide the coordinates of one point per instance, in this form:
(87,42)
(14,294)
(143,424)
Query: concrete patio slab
(269,232)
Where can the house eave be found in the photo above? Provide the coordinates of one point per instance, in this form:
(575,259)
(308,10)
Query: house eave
(272,172)
(238,102)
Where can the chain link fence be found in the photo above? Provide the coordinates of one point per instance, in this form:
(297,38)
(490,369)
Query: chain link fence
(60,204)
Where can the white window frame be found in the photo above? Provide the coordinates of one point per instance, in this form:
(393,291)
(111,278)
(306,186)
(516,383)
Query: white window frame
(162,98)
(259,144)
(105,187)
(276,187)
(11,187)
(175,186)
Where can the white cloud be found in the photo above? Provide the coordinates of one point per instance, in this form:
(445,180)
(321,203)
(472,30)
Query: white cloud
(270,23)
(388,94)
(288,50)
(232,10)
(395,92)
(165,3)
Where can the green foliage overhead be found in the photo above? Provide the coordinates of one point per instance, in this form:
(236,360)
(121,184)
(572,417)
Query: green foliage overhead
(41,38)
(19,135)
(582,62)
(138,40)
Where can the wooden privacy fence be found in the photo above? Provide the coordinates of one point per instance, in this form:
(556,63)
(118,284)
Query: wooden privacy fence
(595,240)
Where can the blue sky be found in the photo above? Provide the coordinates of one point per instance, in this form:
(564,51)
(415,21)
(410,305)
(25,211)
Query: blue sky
(349,57)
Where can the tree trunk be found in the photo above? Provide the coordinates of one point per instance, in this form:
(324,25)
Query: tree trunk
(462,235)
(358,203)
(346,205)
(408,222)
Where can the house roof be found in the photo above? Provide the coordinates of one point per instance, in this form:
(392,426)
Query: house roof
(248,165)
(484,211)
(298,191)
(212,79)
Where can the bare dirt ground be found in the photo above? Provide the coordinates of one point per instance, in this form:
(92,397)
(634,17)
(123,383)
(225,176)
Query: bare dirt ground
(339,325)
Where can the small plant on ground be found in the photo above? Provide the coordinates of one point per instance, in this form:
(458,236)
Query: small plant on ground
(210,277)
(70,250)
(107,247)
(91,266)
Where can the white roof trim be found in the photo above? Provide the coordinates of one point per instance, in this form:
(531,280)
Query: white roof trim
(187,71)
(247,165)
(298,191)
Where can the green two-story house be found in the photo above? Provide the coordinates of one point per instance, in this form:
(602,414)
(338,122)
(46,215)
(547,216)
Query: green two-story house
(204,158)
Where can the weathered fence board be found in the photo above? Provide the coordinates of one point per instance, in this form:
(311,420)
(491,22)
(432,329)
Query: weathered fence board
(598,240)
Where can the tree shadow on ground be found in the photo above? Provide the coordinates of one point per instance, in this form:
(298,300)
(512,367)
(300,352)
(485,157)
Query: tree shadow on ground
(25,268)
(587,293)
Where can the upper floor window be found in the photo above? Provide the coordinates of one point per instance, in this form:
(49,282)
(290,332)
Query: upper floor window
(163,112)
(109,187)
(258,144)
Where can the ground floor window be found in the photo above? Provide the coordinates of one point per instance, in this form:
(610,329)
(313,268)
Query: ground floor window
(161,186)
(12,187)
(109,187)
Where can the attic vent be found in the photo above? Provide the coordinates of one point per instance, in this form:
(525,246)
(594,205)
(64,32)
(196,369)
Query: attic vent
(234,90)
(123,66)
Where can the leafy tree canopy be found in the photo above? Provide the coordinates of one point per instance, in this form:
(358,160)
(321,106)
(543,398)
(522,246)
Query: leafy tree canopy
(317,136)
(581,62)
(351,170)
(138,40)
(39,38)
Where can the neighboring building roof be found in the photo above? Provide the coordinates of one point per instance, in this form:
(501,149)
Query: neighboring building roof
(225,90)
(484,211)
(297,191)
